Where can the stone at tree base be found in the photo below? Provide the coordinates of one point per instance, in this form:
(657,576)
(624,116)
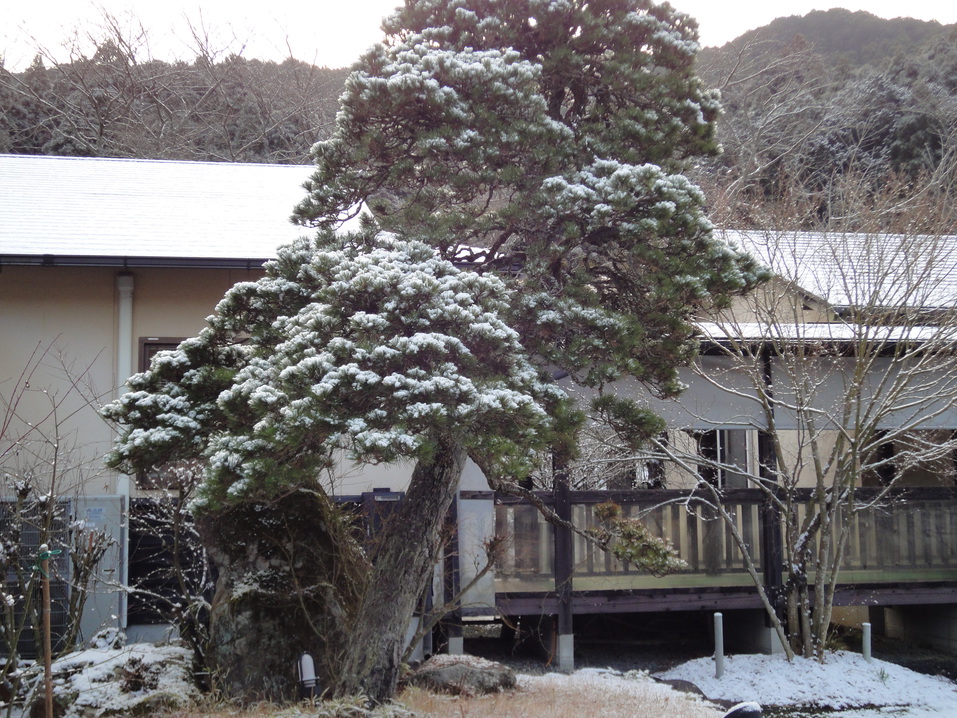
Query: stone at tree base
(38,709)
(463,675)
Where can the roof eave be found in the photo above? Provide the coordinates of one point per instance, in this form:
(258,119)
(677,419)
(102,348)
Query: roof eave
(79,260)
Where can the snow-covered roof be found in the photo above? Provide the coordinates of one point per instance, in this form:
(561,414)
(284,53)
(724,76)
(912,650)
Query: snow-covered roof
(113,212)
(109,212)
(858,269)
(826,332)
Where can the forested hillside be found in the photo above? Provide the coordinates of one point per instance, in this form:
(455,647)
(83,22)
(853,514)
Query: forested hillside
(828,105)
(843,38)
(220,107)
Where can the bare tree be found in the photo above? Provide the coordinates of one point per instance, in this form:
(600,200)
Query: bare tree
(176,582)
(846,363)
(775,98)
(41,470)
(796,124)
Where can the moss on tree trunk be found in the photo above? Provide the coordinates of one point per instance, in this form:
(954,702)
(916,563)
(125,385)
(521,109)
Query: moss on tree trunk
(290,574)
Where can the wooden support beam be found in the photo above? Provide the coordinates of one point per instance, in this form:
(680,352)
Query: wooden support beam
(564,561)
(453,581)
(772,549)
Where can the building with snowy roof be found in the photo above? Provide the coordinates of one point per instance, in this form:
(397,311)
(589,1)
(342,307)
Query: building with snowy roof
(103,262)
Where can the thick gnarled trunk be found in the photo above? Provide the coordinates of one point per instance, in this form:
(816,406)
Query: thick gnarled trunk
(407,551)
(292,579)
(290,574)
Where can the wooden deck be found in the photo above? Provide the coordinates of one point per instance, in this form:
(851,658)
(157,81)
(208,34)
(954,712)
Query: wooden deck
(903,552)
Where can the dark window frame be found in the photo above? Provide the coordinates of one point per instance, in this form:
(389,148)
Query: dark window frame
(148,348)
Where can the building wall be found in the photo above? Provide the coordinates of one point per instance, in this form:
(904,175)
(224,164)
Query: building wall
(176,302)
(60,324)
(65,320)
(74,311)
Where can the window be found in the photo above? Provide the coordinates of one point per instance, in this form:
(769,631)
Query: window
(163,580)
(913,458)
(22,530)
(722,451)
(151,346)
(640,474)
(158,477)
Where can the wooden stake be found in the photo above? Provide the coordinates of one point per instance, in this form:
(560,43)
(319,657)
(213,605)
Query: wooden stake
(47,641)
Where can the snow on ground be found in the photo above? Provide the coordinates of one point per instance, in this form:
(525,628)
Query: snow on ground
(844,681)
(92,678)
(604,692)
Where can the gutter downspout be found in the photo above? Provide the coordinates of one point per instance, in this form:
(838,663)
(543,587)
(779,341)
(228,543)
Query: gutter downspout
(124,370)
(124,348)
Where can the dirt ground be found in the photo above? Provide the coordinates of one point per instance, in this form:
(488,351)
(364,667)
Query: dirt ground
(659,642)
(651,643)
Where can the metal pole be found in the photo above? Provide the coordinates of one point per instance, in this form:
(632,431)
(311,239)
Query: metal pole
(47,642)
(866,641)
(718,645)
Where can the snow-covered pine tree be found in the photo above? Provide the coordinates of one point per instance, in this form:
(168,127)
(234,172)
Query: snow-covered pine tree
(548,136)
(541,139)
(365,344)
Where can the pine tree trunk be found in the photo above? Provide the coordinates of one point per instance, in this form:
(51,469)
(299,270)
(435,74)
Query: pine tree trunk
(405,558)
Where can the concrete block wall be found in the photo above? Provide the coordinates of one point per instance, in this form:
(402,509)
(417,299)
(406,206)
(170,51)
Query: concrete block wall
(931,626)
(747,631)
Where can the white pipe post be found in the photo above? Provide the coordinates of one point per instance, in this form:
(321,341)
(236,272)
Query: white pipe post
(124,335)
(307,676)
(866,641)
(124,370)
(124,349)
(718,645)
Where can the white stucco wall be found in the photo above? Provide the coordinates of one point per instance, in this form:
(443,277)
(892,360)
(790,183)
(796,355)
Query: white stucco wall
(67,320)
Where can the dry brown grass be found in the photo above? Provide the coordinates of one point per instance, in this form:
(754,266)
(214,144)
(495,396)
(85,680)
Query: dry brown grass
(550,696)
(548,699)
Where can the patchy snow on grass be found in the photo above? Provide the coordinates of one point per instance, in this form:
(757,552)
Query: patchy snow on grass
(844,681)
(105,681)
(632,688)
(447,659)
(605,679)
(589,691)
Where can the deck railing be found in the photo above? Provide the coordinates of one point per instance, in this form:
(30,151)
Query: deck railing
(910,535)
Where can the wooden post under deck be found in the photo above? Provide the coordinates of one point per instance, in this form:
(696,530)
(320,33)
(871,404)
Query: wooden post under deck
(563,572)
